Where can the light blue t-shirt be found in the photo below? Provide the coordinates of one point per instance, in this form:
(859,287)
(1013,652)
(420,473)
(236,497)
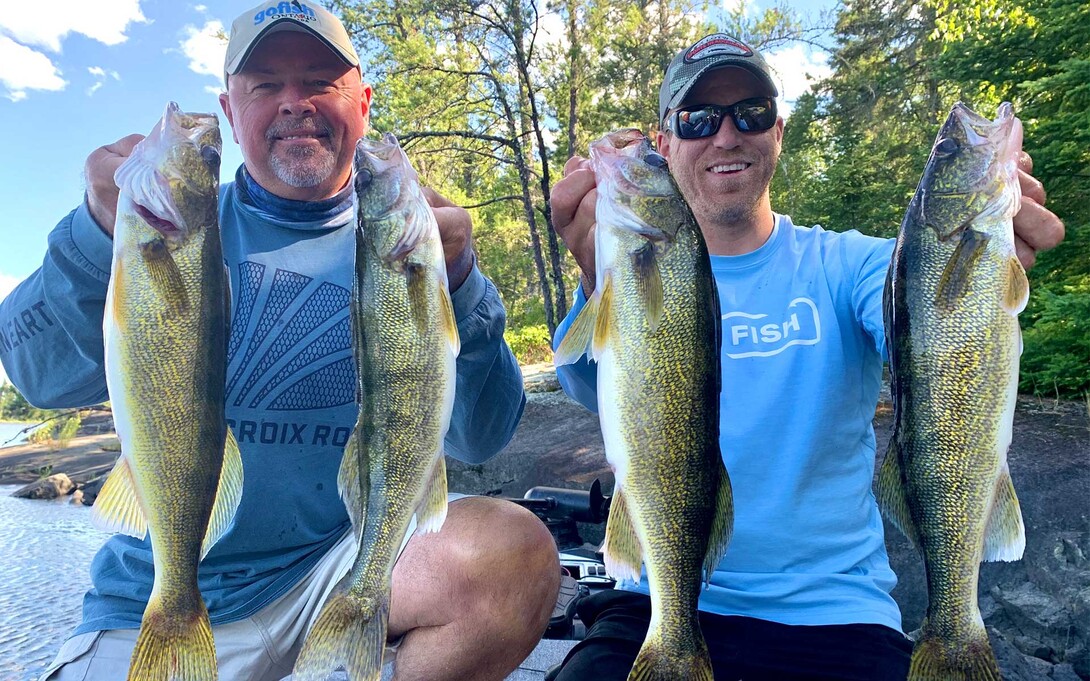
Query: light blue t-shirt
(802,362)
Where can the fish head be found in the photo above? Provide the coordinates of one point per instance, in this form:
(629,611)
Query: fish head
(393,212)
(635,185)
(972,171)
(172,175)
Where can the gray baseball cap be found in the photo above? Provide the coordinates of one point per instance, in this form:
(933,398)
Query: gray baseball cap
(711,52)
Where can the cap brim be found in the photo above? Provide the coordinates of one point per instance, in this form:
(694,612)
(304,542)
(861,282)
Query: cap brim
(763,77)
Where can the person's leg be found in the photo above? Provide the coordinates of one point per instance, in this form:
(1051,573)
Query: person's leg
(616,624)
(471,601)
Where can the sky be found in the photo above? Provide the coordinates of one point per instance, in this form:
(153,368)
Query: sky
(79,75)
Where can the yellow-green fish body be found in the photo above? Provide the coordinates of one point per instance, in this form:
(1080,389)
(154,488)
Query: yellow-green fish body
(952,299)
(165,349)
(405,343)
(653,328)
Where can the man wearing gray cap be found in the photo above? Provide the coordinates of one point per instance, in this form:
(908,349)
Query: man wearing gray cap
(297,104)
(803,591)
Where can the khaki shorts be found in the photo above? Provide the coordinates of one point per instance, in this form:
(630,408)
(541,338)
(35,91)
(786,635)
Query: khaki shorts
(262,647)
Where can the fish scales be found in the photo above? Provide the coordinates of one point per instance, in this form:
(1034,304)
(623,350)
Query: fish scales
(952,298)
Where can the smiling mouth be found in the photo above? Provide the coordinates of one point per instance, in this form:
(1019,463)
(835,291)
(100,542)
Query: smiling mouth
(728,168)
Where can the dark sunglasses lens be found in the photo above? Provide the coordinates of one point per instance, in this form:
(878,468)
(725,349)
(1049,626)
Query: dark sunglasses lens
(698,123)
(755,116)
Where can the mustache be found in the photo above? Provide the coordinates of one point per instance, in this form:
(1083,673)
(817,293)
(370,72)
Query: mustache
(308,125)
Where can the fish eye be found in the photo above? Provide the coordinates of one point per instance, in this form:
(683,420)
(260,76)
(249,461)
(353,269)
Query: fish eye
(947,146)
(363,179)
(655,160)
(211,157)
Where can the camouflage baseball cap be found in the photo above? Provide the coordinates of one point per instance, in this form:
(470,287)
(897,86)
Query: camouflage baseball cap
(711,52)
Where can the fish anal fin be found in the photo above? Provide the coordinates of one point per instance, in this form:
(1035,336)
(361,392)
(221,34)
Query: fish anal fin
(1005,536)
(621,549)
(892,497)
(165,276)
(1016,295)
(959,268)
(432,511)
(117,507)
(228,494)
(722,522)
(349,485)
(649,282)
(577,340)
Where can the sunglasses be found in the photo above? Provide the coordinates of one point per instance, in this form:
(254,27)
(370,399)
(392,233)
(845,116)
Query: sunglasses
(749,115)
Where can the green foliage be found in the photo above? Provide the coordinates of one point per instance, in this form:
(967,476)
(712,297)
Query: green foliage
(14,407)
(56,434)
(1057,346)
(531,344)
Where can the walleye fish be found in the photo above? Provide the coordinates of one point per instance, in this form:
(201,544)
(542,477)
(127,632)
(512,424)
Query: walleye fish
(179,474)
(952,298)
(405,341)
(653,327)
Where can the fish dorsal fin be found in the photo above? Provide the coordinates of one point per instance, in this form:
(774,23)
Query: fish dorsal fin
(117,507)
(432,511)
(228,494)
(577,340)
(722,523)
(165,276)
(353,490)
(621,549)
(649,282)
(1005,536)
(892,498)
(959,268)
(1017,293)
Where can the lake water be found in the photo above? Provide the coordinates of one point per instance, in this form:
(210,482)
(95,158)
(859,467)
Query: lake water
(10,430)
(48,546)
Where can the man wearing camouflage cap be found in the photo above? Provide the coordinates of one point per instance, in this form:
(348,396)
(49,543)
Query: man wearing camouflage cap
(803,590)
(297,104)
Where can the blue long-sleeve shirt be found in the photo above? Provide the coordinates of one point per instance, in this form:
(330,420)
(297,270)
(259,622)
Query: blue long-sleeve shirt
(802,361)
(291,385)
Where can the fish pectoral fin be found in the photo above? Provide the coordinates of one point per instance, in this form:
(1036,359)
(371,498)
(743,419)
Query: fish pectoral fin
(603,328)
(722,522)
(166,278)
(1017,294)
(419,292)
(348,479)
(447,319)
(432,511)
(959,268)
(577,340)
(228,494)
(621,549)
(1005,536)
(892,498)
(649,283)
(117,507)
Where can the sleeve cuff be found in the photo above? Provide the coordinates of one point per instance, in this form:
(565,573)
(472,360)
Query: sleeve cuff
(92,243)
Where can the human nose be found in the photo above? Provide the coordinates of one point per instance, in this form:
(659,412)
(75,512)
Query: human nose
(727,136)
(296,102)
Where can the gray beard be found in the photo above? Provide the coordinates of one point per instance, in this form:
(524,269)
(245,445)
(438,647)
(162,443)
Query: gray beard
(303,169)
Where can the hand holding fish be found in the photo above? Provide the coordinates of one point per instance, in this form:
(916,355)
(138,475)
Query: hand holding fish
(456,233)
(102,190)
(1036,228)
(572,202)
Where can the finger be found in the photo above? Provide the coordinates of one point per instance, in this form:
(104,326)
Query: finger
(1026,255)
(1025,162)
(1037,226)
(569,194)
(575,163)
(1031,187)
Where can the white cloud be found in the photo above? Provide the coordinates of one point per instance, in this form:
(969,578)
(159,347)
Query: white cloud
(7,284)
(100,75)
(206,48)
(200,8)
(794,69)
(213,90)
(102,21)
(22,69)
(730,6)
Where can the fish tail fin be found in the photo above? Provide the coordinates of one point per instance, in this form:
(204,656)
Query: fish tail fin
(658,662)
(171,647)
(346,636)
(935,660)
